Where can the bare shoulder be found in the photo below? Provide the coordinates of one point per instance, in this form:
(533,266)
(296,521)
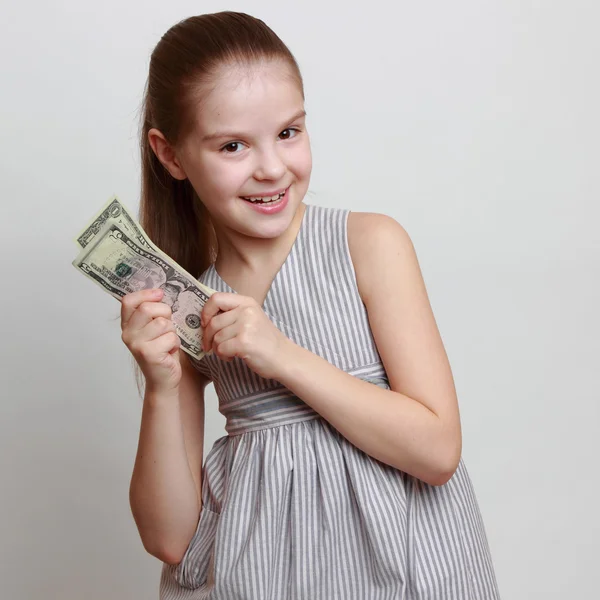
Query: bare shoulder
(372,238)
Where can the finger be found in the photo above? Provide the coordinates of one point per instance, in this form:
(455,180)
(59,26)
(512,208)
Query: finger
(216,324)
(220,301)
(147,311)
(225,343)
(155,328)
(167,343)
(135,337)
(130,302)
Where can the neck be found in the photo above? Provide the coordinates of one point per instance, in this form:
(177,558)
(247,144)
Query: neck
(239,253)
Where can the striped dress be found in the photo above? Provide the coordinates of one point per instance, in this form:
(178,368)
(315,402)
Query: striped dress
(291,509)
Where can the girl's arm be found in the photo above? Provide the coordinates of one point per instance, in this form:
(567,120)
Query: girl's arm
(165,492)
(415,426)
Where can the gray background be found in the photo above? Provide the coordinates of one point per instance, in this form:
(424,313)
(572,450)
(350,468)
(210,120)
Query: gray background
(473,123)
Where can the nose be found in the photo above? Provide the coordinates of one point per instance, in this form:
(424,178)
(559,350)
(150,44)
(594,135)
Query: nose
(269,165)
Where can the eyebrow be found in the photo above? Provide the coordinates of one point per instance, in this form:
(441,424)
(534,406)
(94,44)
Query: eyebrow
(237,134)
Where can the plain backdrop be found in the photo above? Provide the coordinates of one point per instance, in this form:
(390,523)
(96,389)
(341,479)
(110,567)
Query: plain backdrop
(473,123)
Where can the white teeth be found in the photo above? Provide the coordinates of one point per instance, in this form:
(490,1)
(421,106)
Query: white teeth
(265,199)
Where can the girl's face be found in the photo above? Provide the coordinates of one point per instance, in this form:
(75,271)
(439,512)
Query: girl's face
(250,140)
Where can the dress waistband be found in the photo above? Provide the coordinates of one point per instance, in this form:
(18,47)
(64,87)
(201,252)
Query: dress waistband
(265,409)
(271,408)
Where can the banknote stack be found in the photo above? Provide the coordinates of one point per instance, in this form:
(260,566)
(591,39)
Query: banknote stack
(117,254)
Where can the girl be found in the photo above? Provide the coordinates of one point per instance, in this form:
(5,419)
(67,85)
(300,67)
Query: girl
(341,474)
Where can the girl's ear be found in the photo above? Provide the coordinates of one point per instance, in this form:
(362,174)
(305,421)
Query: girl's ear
(165,154)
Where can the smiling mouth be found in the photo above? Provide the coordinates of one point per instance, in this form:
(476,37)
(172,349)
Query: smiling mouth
(264,199)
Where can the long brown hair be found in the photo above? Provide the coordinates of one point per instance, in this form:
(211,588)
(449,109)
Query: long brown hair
(186,59)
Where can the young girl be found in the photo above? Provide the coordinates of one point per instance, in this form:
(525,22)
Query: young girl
(341,475)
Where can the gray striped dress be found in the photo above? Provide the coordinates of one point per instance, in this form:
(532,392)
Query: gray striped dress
(291,509)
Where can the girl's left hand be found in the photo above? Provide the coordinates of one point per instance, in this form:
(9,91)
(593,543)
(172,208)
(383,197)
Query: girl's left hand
(243,330)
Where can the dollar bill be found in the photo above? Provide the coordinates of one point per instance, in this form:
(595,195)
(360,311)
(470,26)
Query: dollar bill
(116,259)
(114,212)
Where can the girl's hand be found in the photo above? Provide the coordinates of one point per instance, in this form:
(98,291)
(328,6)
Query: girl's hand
(149,333)
(243,330)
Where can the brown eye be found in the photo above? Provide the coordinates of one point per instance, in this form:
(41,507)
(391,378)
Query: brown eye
(231,147)
(289,135)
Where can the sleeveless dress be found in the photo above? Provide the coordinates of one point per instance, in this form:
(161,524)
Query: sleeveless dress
(291,509)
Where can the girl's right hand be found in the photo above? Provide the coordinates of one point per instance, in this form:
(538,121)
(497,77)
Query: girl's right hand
(150,335)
